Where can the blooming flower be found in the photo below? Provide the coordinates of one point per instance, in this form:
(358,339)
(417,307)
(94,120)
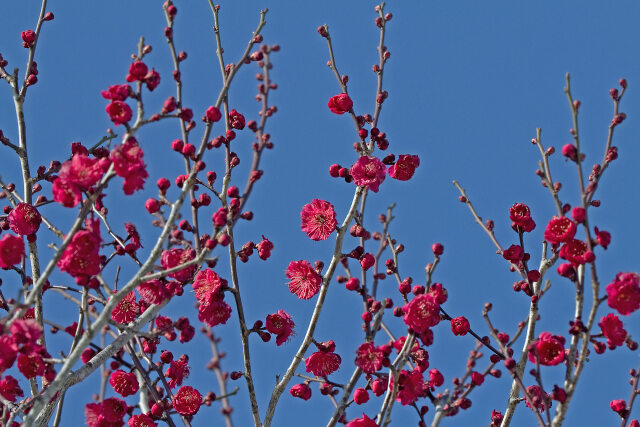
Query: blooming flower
(362,422)
(369,357)
(128,164)
(521,217)
(340,104)
(613,329)
(577,252)
(187,401)
(152,291)
(624,293)
(126,310)
(123,383)
(9,388)
(302,391)
(322,363)
(303,279)
(141,420)
(318,219)
(11,250)
(214,313)
(82,258)
(404,168)
(173,257)
(114,409)
(410,386)
(117,92)
(540,398)
(460,326)
(514,254)
(31,365)
(207,286)
(281,325)
(78,174)
(560,230)
(177,372)
(368,172)
(549,350)
(137,71)
(24,219)
(119,112)
(421,313)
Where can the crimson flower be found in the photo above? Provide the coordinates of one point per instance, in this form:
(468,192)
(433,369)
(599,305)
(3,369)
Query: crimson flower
(369,357)
(187,400)
(302,391)
(123,383)
(178,370)
(362,422)
(368,172)
(318,219)
(128,164)
(577,252)
(207,284)
(303,279)
(624,293)
(214,313)
(9,388)
(421,313)
(126,310)
(119,112)
(137,71)
(460,326)
(404,168)
(549,350)
(322,363)
(340,104)
(613,329)
(281,325)
(560,230)
(11,250)
(24,219)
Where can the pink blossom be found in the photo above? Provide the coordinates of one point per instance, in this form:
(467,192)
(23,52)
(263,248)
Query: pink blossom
(322,363)
(302,391)
(421,313)
(303,279)
(214,313)
(11,250)
(24,219)
(340,104)
(613,329)
(404,168)
(174,257)
(128,164)
(281,325)
(549,350)
(119,112)
(318,219)
(126,310)
(624,293)
(368,172)
(369,358)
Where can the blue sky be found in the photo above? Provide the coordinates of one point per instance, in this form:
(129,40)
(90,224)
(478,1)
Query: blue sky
(468,84)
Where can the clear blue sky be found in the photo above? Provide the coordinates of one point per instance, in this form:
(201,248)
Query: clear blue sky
(468,84)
